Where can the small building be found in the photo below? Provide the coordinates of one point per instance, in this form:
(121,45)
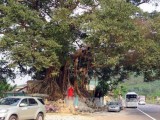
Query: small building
(20,90)
(92,85)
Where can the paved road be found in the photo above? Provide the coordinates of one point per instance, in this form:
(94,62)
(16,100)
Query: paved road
(152,111)
(127,114)
(143,112)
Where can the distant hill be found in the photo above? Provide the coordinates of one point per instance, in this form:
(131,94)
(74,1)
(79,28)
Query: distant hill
(136,84)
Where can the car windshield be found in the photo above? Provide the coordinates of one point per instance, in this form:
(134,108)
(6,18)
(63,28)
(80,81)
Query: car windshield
(113,103)
(9,101)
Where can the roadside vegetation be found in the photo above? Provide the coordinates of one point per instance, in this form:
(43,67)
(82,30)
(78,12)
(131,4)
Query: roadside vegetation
(5,87)
(149,89)
(137,84)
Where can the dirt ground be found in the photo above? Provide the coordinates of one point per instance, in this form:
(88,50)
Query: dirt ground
(123,115)
(84,116)
(60,116)
(94,116)
(86,113)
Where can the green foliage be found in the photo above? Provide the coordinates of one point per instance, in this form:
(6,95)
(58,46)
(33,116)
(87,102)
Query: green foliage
(27,39)
(120,90)
(5,71)
(87,2)
(102,88)
(111,32)
(5,87)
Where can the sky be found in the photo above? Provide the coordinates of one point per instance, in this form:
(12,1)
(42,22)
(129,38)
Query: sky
(146,7)
(20,80)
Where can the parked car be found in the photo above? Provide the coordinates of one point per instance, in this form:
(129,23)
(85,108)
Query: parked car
(114,106)
(22,108)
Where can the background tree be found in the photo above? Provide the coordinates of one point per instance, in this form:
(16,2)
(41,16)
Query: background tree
(150,58)
(120,45)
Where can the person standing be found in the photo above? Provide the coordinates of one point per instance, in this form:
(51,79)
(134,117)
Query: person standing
(76,102)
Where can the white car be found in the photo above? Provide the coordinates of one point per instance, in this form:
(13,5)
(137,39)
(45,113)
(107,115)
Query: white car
(22,108)
(114,106)
(141,102)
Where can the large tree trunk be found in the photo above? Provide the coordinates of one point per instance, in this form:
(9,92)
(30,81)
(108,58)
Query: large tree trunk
(75,74)
(50,88)
(56,86)
(65,77)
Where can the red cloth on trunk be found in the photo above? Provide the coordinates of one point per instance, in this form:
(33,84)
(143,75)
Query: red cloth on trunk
(70,92)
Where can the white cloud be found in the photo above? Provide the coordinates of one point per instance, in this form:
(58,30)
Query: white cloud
(150,7)
(20,80)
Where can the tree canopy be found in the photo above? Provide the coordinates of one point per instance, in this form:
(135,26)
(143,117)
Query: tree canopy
(49,41)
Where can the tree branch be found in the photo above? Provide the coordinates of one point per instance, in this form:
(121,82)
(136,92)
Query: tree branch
(144,1)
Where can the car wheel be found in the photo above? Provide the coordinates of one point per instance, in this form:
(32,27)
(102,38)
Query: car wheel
(40,116)
(13,117)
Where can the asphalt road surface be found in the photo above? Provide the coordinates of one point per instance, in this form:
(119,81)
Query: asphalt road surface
(143,112)
(152,111)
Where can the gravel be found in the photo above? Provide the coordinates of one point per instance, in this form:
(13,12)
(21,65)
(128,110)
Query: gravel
(67,117)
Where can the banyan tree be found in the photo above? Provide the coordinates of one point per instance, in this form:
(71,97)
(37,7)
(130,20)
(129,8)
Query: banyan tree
(57,45)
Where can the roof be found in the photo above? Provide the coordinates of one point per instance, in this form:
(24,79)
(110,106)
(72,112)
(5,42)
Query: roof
(39,95)
(20,87)
(20,97)
(131,93)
